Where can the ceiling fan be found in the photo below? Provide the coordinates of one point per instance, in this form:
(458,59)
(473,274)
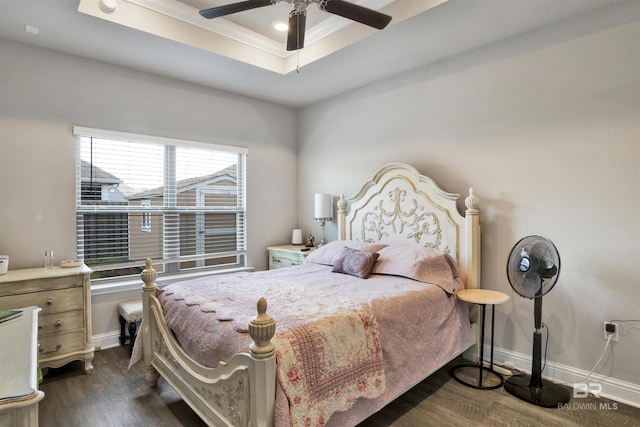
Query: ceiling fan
(298,16)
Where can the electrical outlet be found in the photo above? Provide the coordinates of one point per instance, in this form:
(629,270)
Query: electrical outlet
(610,329)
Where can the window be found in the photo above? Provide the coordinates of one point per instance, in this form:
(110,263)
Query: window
(179,203)
(146,216)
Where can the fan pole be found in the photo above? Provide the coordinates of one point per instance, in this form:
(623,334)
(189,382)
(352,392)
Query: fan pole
(536,364)
(531,388)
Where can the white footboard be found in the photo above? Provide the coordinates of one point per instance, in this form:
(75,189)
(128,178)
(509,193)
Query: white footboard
(240,392)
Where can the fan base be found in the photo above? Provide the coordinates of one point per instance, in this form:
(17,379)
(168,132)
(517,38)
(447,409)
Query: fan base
(550,395)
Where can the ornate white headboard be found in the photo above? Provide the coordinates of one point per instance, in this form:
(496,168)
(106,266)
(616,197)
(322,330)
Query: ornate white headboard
(401,206)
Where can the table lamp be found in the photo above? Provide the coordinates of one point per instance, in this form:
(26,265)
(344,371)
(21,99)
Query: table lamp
(323,212)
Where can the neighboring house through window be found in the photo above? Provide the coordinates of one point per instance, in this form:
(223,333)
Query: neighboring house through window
(146,216)
(180,203)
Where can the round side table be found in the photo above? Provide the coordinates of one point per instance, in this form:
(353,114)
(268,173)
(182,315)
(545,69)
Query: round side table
(482,297)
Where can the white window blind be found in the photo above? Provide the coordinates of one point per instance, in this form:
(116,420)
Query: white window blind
(180,203)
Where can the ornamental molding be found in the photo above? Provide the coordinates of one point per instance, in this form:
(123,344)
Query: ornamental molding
(406,217)
(230,396)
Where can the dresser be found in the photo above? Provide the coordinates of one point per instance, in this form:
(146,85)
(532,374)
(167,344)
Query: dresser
(64,325)
(19,394)
(286,255)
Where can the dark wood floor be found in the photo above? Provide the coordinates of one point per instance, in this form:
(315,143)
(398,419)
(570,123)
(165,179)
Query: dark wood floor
(114,396)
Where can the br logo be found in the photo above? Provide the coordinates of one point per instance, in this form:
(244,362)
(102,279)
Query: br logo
(582,390)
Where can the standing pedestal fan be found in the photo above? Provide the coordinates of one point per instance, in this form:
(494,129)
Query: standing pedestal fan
(533,268)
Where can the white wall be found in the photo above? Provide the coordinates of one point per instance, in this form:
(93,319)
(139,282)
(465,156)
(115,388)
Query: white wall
(44,94)
(546,128)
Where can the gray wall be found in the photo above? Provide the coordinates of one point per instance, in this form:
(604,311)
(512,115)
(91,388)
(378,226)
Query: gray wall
(546,128)
(44,94)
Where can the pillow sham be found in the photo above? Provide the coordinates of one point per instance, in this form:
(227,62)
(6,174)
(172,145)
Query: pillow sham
(328,254)
(355,263)
(421,264)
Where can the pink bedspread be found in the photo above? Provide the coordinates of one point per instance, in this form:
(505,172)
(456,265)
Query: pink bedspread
(419,326)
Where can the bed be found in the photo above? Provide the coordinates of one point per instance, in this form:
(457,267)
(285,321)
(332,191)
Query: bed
(343,334)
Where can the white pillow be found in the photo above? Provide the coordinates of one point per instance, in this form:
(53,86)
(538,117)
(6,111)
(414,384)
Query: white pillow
(421,264)
(328,254)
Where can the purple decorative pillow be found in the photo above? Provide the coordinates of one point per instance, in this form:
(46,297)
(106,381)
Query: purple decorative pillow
(332,251)
(356,263)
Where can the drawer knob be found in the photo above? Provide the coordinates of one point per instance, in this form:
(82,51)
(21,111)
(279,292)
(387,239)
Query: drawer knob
(58,347)
(58,322)
(50,301)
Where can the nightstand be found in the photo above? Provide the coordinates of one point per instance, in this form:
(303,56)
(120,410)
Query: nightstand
(287,255)
(482,297)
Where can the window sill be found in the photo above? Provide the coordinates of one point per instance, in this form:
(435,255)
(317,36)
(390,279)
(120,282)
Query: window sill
(136,284)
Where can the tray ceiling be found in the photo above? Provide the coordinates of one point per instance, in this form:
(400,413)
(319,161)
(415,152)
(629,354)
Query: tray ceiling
(422,33)
(249,36)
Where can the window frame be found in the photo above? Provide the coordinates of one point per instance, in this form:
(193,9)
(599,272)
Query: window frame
(169,263)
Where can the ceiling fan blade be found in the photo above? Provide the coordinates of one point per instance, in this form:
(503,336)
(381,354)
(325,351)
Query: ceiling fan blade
(297,23)
(216,12)
(357,13)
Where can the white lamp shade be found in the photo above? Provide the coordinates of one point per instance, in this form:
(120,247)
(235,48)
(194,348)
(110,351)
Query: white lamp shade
(323,206)
(296,236)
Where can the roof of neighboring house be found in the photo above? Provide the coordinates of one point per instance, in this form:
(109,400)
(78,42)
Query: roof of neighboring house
(92,173)
(229,173)
(100,176)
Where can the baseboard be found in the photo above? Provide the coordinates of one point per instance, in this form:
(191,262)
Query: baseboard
(614,389)
(106,340)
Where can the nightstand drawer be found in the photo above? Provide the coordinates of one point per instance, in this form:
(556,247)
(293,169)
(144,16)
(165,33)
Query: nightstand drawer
(284,259)
(60,322)
(286,256)
(49,301)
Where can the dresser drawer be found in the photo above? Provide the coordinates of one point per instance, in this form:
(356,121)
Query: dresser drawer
(39,284)
(60,344)
(49,301)
(60,322)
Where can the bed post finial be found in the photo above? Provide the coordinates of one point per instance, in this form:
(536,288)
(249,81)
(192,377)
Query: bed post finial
(472,202)
(262,328)
(342,213)
(472,241)
(149,274)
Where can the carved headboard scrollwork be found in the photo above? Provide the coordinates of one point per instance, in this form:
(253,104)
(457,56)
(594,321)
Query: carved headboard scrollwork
(403,217)
(401,206)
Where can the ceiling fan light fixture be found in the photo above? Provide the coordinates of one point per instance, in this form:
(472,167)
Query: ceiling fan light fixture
(280,26)
(108,6)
